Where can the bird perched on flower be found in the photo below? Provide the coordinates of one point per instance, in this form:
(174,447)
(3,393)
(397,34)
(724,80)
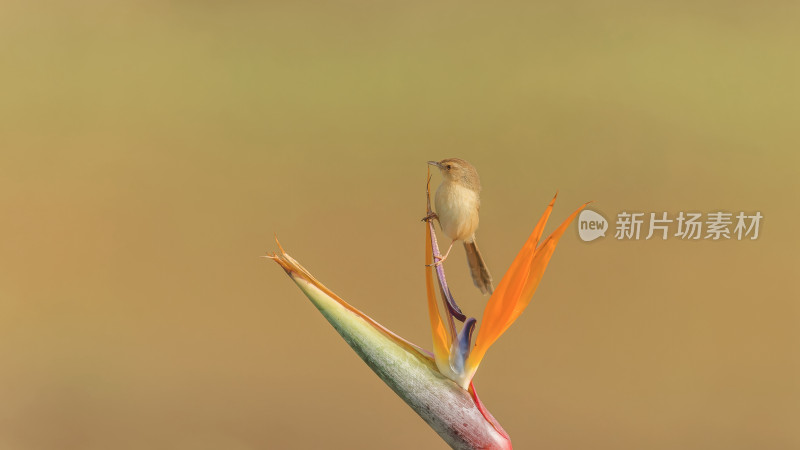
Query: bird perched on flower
(438,385)
(458,201)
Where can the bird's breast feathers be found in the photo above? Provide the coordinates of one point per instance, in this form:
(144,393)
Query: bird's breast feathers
(457,208)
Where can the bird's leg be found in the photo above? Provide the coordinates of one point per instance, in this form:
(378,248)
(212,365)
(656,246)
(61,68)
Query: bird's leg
(440,259)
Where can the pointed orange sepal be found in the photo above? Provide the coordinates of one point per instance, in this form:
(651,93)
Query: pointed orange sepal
(517,287)
(441,342)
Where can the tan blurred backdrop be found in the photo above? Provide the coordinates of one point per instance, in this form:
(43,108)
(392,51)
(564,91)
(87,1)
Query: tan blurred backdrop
(149,151)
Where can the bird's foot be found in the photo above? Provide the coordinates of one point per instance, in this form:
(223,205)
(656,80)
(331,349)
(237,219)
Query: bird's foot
(439,259)
(430,216)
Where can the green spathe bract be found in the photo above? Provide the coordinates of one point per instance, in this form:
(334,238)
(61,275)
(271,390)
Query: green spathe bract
(412,375)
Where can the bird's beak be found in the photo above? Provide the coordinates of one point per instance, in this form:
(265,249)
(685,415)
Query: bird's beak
(435,163)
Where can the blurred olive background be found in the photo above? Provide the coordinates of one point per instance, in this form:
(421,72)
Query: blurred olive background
(149,150)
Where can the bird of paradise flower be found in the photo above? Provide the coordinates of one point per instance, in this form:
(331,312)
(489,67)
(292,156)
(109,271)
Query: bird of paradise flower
(439,386)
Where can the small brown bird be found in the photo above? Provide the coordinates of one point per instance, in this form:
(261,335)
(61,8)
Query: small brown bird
(457,204)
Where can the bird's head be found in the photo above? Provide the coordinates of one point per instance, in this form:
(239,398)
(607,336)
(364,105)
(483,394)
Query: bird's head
(458,170)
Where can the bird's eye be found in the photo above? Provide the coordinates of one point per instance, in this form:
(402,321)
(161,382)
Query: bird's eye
(449,167)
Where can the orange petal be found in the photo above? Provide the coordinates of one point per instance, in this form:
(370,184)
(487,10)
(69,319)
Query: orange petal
(517,287)
(502,302)
(441,342)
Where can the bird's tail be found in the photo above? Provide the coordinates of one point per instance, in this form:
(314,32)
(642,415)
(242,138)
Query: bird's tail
(480,273)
